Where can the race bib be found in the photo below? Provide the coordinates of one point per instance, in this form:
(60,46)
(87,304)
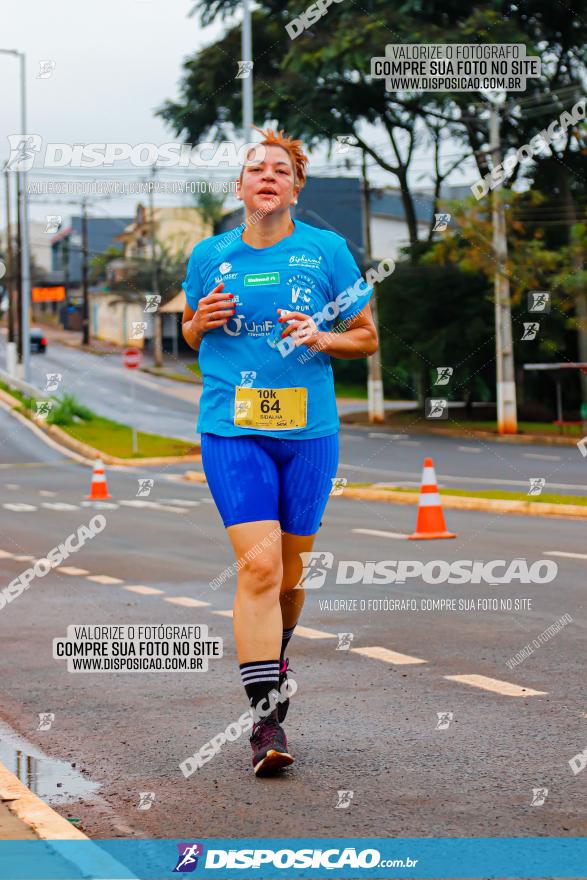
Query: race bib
(272,409)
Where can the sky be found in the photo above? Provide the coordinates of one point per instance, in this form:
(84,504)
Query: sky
(115,62)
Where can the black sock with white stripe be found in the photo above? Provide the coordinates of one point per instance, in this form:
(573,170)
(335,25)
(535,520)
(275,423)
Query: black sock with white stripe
(287,634)
(259,679)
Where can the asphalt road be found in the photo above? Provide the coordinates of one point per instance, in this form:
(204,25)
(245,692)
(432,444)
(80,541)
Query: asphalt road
(364,720)
(167,407)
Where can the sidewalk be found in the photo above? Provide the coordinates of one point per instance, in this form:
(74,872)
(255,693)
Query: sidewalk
(24,816)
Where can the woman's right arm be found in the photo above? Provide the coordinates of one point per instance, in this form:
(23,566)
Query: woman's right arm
(213,310)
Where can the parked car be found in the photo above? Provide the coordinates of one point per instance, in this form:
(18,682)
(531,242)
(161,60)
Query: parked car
(38,340)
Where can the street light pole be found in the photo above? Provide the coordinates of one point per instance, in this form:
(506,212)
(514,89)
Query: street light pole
(23,209)
(507,418)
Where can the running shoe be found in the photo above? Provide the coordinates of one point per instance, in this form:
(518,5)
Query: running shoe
(269,745)
(282,707)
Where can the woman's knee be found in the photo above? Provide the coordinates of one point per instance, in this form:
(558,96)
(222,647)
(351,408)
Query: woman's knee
(262,575)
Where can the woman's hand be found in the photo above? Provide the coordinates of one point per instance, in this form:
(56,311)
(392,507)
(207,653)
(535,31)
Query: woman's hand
(214,310)
(302,328)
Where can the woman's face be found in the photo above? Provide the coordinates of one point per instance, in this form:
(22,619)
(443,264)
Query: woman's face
(267,184)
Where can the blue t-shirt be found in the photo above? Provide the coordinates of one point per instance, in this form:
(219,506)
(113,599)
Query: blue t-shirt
(310,271)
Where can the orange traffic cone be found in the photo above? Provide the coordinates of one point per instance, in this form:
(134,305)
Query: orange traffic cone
(98,487)
(430,522)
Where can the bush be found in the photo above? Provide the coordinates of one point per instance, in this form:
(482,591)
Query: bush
(69,410)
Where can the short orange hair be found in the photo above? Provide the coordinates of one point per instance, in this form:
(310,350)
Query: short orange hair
(292,147)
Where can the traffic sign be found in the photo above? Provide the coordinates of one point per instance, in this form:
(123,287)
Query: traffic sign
(132,357)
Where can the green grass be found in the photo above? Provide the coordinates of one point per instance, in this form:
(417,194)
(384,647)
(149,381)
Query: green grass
(499,494)
(194,368)
(114,438)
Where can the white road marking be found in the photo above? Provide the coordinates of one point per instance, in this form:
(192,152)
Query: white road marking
(565,554)
(376,653)
(186,601)
(153,505)
(307,632)
(71,569)
(99,505)
(378,533)
(11,485)
(180,501)
(24,558)
(469,448)
(143,591)
(104,579)
(229,614)
(409,442)
(59,505)
(495,686)
(47,493)
(4,554)
(20,508)
(541,456)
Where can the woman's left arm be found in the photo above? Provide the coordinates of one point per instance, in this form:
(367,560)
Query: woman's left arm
(358,339)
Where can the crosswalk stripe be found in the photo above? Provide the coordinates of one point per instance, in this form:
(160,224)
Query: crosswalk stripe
(143,591)
(376,653)
(186,601)
(496,686)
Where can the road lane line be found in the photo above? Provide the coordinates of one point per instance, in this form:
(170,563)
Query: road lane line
(541,456)
(20,508)
(47,493)
(4,554)
(565,554)
(103,579)
(378,533)
(71,569)
(469,448)
(186,601)
(376,653)
(307,632)
(495,686)
(229,614)
(153,505)
(59,505)
(144,591)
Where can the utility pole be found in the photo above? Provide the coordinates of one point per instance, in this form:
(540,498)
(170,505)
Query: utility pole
(19,339)
(11,345)
(85,295)
(157,320)
(247,59)
(374,380)
(507,418)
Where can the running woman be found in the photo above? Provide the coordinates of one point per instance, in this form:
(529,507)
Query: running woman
(268,304)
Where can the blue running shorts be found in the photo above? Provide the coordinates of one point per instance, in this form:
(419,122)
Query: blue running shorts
(253,478)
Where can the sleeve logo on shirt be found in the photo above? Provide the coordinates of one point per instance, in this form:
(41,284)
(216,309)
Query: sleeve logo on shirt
(259,278)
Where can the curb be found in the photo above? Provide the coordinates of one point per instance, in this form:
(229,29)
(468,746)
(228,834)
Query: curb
(83,452)
(44,822)
(453,502)
(531,439)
